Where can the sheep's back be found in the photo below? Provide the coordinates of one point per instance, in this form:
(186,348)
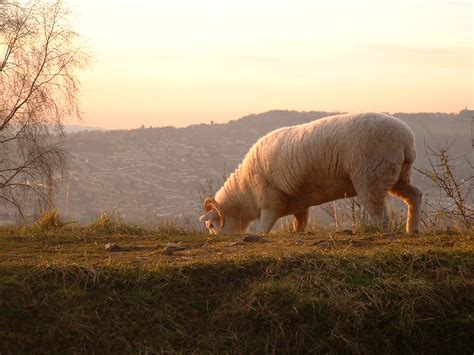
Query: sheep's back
(329,148)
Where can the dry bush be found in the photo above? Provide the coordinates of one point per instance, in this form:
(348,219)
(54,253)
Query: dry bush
(454,204)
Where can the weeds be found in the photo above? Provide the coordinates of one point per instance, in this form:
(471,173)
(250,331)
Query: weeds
(349,214)
(113,223)
(48,221)
(49,224)
(169,227)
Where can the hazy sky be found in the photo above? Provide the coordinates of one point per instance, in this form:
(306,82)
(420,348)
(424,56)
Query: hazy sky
(181,62)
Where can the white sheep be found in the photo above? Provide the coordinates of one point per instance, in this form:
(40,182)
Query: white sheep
(293,168)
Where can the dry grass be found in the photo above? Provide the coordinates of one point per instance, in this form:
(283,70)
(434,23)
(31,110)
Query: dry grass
(113,223)
(315,292)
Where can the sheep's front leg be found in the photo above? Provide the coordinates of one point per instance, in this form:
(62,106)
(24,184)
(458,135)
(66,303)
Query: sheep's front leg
(267,220)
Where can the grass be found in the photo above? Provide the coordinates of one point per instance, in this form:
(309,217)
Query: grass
(113,223)
(62,292)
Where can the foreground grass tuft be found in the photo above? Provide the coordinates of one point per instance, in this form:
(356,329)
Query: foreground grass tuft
(113,223)
(294,294)
(50,220)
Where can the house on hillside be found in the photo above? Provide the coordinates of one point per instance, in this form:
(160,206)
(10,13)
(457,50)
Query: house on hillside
(466,114)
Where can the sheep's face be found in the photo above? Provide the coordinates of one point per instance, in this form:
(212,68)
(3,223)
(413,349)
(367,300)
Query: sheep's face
(212,221)
(213,224)
(213,216)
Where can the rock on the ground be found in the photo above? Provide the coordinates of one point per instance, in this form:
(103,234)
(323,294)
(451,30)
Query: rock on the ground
(175,246)
(168,251)
(324,244)
(233,244)
(170,248)
(252,238)
(345,232)
(112,247)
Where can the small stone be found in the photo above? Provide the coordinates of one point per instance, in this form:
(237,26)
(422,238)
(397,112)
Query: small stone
(233,244)
(175,246)
(324,244)
(141,260)
(254,239)
(448,244)
(168,251)
(345,232)
(112,247)
(359,243)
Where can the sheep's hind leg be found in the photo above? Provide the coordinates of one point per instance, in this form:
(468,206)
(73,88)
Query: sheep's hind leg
(411,195)
(374,202)
(300,222)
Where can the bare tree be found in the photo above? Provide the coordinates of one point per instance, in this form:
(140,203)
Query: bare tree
(40,56)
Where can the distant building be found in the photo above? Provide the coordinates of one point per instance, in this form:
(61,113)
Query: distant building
(466,113)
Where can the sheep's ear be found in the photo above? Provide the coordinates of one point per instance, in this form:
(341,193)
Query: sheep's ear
(206,217)
(211,215)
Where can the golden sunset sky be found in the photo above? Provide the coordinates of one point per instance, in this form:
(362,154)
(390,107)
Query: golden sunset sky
(180,62)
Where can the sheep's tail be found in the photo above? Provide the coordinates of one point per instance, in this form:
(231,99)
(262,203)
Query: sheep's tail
(410,156)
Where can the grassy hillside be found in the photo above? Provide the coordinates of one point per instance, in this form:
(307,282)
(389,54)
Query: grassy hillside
(164,291)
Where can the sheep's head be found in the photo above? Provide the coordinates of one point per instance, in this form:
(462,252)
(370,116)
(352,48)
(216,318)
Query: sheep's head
(213,216)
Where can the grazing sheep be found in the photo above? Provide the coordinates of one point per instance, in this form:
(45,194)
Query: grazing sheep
(293,168)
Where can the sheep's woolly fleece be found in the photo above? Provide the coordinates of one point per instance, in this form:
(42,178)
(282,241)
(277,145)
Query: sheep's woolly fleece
(292,168)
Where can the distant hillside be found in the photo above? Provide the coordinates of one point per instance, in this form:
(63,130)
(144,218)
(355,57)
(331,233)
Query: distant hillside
(150,173)
(75,128)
